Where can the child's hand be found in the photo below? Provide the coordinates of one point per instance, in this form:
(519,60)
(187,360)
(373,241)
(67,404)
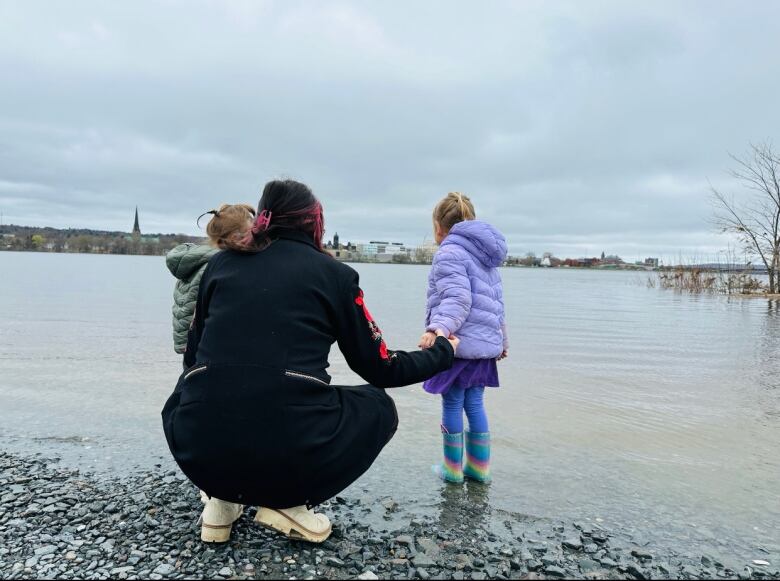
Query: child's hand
(427,340)
(454,341)
(504,355)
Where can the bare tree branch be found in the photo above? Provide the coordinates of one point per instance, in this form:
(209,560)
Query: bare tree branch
(756,222)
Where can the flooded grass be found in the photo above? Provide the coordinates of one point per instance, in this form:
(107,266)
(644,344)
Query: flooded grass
(697,281)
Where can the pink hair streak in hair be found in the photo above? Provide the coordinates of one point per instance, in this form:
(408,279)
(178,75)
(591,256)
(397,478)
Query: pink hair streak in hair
(300,219)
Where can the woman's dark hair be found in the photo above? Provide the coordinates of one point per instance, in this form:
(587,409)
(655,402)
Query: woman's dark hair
(284,205)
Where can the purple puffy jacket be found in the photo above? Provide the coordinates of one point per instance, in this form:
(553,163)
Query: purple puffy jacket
(465,298)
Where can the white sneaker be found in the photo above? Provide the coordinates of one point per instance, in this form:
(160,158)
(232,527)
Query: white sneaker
(297,523)
(217,519)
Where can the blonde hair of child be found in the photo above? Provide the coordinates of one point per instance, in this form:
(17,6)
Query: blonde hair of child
(229,224)
(454,208)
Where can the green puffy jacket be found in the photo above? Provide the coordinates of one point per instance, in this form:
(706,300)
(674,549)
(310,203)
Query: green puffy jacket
(186,262)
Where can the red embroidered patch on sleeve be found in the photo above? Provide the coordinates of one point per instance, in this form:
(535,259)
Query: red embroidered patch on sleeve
(376,332)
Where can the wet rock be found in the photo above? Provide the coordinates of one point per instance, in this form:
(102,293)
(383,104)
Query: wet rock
(690,571)
(334,562)
(759,562)
(607,562)
(555,572)
(588,565)
(534,565)
(429,546)
(636,571)
(572,543)
(423,560)
(164,569)
(390,504)
(407,540)
(45,550)
(368,576)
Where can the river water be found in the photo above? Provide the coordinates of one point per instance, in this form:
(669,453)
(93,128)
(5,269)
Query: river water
(654,412)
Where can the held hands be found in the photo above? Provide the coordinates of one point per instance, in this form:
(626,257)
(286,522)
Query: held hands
(429,338)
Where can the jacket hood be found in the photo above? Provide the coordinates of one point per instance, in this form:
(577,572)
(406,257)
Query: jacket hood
(185,260)
(481,240)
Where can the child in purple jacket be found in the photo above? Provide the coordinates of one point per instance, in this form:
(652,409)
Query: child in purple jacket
(465,299)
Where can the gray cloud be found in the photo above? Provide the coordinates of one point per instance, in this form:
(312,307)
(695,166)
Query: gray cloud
(575,127)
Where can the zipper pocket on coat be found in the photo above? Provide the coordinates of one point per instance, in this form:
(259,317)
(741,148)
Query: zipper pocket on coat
(195,371)
(299,375)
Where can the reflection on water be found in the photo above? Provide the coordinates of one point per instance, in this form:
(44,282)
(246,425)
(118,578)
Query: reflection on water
(621,402)
(464,507)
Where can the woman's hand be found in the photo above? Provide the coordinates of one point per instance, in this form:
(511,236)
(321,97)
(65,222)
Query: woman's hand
(504,355)
(427,340)
(454,341)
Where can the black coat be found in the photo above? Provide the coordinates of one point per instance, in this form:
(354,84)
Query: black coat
(254,418)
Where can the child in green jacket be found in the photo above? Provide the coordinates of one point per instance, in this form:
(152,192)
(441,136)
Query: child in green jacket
(188,261)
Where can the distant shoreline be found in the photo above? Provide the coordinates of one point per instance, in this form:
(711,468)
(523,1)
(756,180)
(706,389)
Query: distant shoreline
(629,268)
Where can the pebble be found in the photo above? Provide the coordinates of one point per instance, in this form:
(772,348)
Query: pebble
(644,555)
(555,572)
(636,571)
(164,569)
(368,576)
(45,550)
(423,560)
(574,544)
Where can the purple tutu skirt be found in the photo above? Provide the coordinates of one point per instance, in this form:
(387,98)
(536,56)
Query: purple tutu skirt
(464,373)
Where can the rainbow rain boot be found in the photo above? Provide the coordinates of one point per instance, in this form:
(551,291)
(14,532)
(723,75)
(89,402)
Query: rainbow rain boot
(477,457)
(451,470)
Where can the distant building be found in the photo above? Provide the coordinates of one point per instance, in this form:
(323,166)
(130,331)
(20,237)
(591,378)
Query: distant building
(380,246)
(136,227)
(652,262)
(368,250)
(336,241)
(611,260)
(581,262)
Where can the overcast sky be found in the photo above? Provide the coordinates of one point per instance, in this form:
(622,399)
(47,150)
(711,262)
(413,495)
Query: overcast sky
(576,127)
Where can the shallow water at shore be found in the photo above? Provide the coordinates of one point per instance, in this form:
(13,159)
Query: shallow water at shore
(656,412)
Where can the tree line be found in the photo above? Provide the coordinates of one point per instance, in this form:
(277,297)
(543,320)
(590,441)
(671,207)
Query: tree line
(82,240)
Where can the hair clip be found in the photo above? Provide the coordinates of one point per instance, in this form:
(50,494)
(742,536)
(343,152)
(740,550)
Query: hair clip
(263,221)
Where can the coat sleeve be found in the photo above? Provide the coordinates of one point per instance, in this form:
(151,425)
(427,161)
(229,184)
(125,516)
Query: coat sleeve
(195,332)
(363,346)
(453,286)
(502,315)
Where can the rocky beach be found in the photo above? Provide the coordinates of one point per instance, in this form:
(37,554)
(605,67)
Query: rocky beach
(56,522)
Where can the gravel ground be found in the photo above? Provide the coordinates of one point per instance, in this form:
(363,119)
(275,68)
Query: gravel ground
(58,523)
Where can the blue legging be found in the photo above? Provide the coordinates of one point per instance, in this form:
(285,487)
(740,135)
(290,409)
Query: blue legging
(458,399)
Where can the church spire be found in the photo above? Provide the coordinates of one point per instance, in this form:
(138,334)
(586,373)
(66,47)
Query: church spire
(136,228)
